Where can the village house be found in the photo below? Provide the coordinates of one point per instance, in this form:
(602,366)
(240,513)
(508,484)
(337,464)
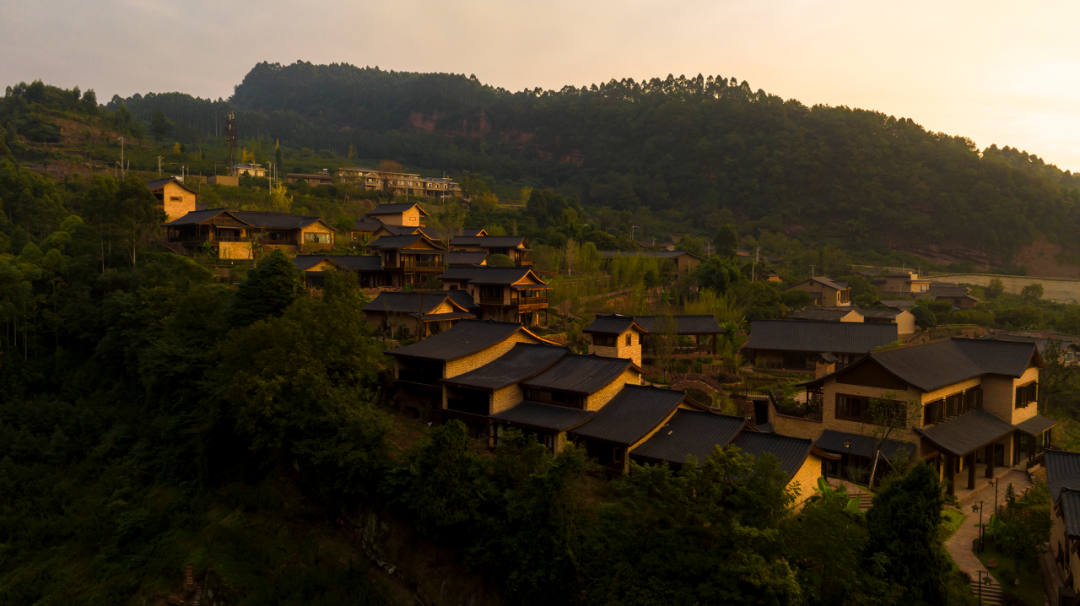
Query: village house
(772,276)
(496,377)
(898,283)
(958,296)
(367,269)
(173,197)
(696,433)
(514,247)
(826,292)
(422,313)
(238,234)
(616,336)
(681,262)
(1063,480)
(250,169)
(402,184)
(904,320)
(794,344)
(420,367)
(503,293)
(961,404)
(1066,346)
(410,260)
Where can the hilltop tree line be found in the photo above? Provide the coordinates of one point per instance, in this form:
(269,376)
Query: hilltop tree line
(683,147)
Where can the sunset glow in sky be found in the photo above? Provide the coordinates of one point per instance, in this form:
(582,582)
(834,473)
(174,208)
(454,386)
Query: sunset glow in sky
(996,72)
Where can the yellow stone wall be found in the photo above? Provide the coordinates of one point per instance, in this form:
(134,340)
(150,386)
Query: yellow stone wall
(621,350)
(597,400)
(506,398)
(234,250)
(805,479)
(174,209)
(463,365)
(1058,538)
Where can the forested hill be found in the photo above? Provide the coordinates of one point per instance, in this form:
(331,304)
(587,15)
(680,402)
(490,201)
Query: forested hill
(688,146)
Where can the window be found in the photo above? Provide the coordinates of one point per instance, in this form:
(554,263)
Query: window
(934,412)
(176,198)
(627,339)
(317,238)
(973,399)
(603,341)
(852,408)
(1026,394)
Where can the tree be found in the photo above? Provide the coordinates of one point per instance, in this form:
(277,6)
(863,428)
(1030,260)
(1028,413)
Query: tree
(903,531)
(571,254)
(719,274)
(994,289)
(247,157)
(726,240)
(278,158)
(664,338)
(89,102)
(267,292)
(388,169)
(885,416)
(1025,317)
(280,199)
(159,125)
(500,261)
(1032,293)
(924,318)
(352,151)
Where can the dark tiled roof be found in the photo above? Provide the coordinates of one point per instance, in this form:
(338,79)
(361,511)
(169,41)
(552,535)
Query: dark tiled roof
(813,336)
(361,263)
(402,241)
(161,182)
(879,313)
(631,414)
(824,313)
(1070,511)
(929,366)
(465,257)
(518,364)
(485,275)
(402,230)
(1040,338)
(462,298)
(684,325)
(657,254)
(792,452)
(367,225)
(488,241)
(967,432)
(273,220)
(580,374)
(394,209)
(303,262)
(1062,470)
(543,416)
(407,302)
(463,339)
(999,357)
(862,446)
(454,315)
(690,432)
(1035,425)
(833,284)
(898,303)
(615,324)
(198,216)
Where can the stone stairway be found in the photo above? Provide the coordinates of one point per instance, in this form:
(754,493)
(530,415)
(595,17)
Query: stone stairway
(865,500)
(991,594)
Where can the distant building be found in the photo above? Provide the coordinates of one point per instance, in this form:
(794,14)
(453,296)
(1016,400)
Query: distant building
(314,179)
(793,344)
(237,234)
(402,184)
(825,291)
(249,169)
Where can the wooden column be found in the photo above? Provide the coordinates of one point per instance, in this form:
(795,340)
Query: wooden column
(989,456)
(950,473)
(714,339)
(971,470)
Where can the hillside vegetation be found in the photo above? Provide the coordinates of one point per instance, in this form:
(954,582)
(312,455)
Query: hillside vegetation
(686,148)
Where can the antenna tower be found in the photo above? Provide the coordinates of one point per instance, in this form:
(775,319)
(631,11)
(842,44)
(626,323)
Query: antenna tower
(230,140)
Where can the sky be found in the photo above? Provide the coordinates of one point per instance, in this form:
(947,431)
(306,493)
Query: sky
(1000,73)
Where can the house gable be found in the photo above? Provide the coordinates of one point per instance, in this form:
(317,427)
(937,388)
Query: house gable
(870,374)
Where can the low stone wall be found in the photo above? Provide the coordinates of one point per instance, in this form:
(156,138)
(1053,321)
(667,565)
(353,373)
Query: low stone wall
(1059,290)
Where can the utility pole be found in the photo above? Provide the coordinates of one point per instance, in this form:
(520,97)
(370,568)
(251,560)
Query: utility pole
(753,268)
(812,271)
(123,171)
(159,158)
(230,140)
(632,228)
